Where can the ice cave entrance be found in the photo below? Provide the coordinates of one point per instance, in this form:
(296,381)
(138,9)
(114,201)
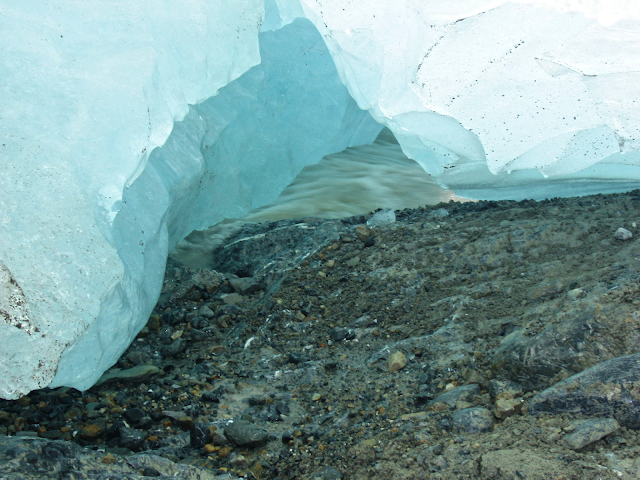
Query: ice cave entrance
(355,181)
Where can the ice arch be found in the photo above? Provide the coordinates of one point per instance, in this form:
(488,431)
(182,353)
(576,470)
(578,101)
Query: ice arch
(491,97)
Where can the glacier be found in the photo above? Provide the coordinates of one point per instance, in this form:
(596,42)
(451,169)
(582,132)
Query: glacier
(126,125)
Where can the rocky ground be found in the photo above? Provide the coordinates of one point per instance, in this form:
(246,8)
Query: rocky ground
(489,340)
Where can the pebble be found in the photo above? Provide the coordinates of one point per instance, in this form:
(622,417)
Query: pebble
(397,361)
(623,234)
(439,213)
(507,407)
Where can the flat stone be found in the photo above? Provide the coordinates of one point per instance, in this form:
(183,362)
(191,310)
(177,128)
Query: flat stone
(232,298)
(473,420)
(590,431)
(397,361)
(609,389)
(523,463)
(465,393)
(138,374)
(327,473)
(246,434)
(245,285)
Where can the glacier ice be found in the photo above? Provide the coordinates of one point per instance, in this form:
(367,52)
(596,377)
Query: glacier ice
(125,125)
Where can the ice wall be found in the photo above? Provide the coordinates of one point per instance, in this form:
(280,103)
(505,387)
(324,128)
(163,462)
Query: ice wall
(231,153)
(493,95)
(89,89)
(89,206)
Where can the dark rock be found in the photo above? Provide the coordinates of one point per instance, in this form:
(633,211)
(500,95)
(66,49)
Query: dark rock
(339,333)
(369,242)
(200,322)
(473,420)
(465,393)
(246,434)
(534,361)
(164,335)
(150,472)
(199,435)
(175,348)
(133,416)
(210,397)
(114,430)
(609,389)
(131,438)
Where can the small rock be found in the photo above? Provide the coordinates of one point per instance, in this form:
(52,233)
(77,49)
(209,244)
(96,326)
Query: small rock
(199,436)
(175,348)
(507,407)
(239,461)
(590,431)
(206,312)
(497,388)
(245,285)
(575,294)
(382,217)
(133,416)
(623,234)
(89,432)
(352,262)
(338,334)
(185,422)
(232,298)
(363,232)
(473,420)
(396,361)
(439,213)
(246,434)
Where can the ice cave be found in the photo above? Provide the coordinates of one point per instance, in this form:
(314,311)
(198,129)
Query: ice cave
(127,125)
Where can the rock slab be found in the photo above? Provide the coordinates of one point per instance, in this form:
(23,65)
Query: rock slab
(609,389)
